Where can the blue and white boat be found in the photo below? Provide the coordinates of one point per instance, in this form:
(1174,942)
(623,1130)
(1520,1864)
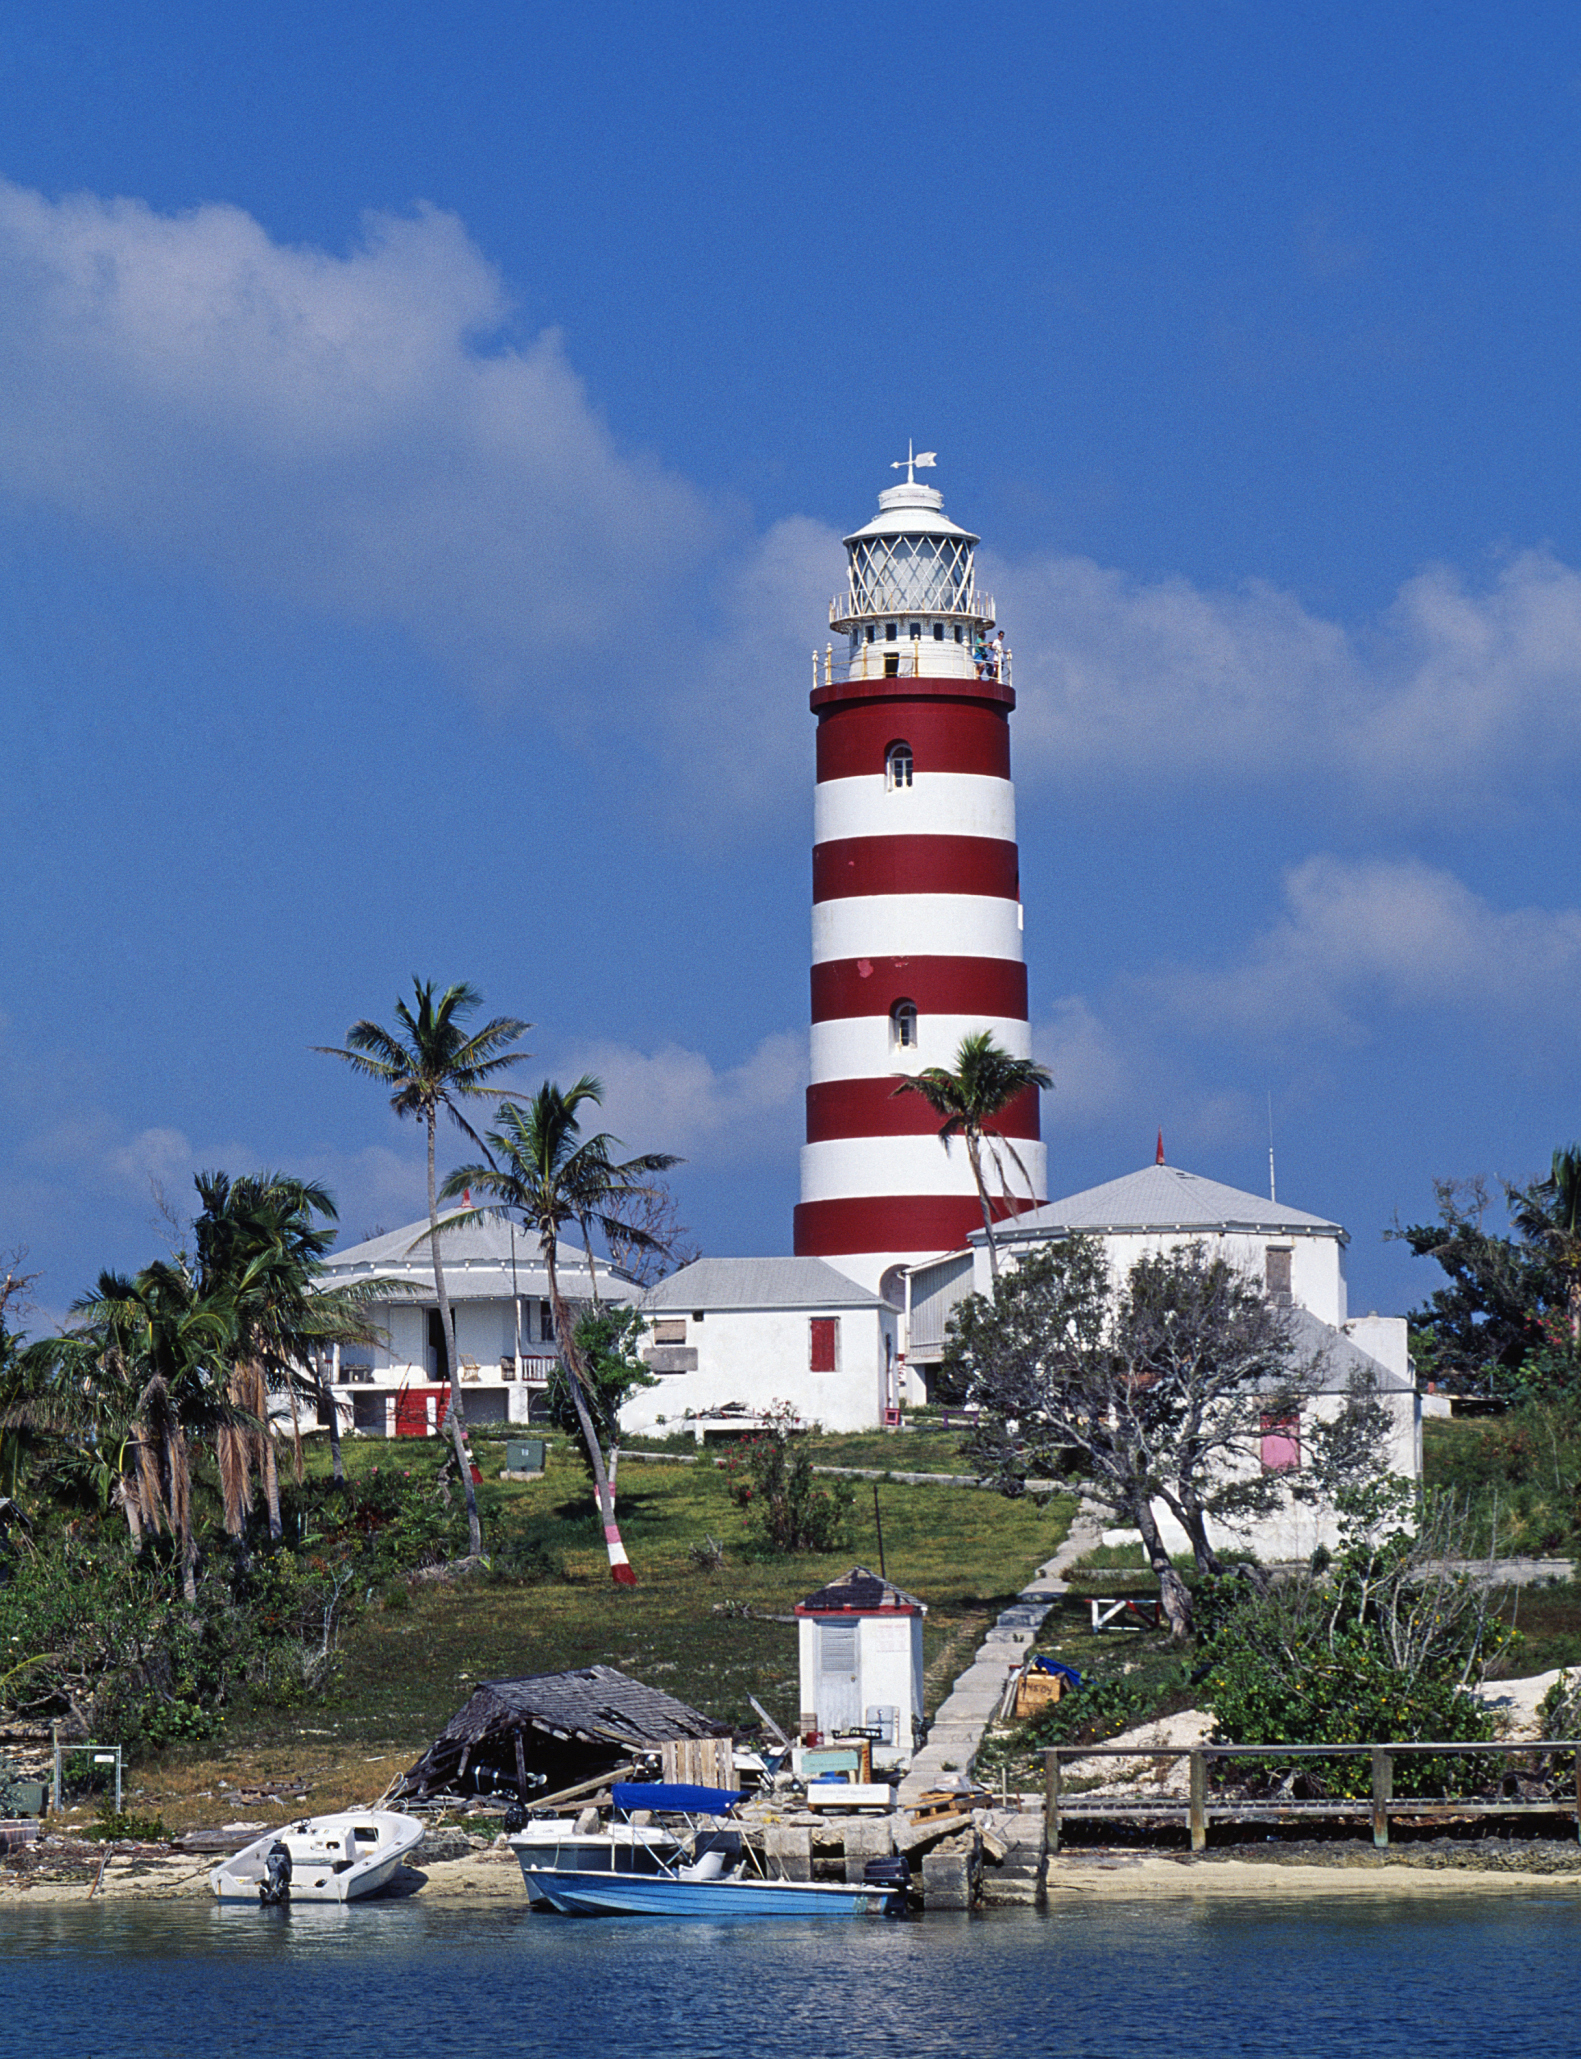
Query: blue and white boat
(644,1880)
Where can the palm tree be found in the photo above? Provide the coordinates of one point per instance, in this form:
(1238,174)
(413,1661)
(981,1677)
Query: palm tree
(431,1064)
(1548,1214)
(159,1336)
(601,1186)
(259,1245)
(546,1174)
(986,1079)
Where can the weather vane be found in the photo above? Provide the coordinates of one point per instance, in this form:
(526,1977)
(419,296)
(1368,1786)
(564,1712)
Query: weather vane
(912,460)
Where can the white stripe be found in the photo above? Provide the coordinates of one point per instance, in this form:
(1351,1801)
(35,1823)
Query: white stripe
(935,804)
(857,1047)
(843,1167)
(916,926)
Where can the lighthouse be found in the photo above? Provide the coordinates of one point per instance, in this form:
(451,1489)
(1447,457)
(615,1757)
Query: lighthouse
(917,921)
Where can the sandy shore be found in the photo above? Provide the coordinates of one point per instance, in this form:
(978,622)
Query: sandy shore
(67,1875)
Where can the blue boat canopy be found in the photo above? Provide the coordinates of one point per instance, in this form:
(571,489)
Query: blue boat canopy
(675,1798)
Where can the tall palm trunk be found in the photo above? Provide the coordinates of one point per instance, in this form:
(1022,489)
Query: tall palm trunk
(447,1325)
(974,1152)
(587,1245)
(337,1464)
(619,1565)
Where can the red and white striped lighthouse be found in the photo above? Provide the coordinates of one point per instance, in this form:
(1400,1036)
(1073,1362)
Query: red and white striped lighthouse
(916,927)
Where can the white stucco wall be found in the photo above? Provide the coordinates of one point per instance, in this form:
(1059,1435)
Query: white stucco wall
(759,1357)
(889,1673)
(1317,1262)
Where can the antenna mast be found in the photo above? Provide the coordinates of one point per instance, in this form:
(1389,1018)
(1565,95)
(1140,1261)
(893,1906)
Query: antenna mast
(1271,1194)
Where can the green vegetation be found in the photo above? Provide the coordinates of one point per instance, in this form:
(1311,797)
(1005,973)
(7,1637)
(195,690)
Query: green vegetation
(771,1477)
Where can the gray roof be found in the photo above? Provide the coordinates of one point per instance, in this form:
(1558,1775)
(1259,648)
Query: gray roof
(595,1707)
(1163,1197)
(760,1283)
(478,1263)
(1339,1358)
(862,1593)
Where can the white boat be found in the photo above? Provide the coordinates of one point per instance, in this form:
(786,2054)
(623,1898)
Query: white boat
(552,1844)
(337,1858)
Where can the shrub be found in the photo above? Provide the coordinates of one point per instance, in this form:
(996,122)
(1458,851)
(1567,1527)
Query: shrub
(1378,1645)
(771,1477)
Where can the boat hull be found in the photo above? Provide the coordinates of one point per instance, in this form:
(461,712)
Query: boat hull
(342,1858)
(614,1894)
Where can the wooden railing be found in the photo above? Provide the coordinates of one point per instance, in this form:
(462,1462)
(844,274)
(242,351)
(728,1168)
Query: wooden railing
(1197,1811)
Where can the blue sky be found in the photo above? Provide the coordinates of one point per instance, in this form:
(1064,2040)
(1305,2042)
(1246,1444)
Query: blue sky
(425,437)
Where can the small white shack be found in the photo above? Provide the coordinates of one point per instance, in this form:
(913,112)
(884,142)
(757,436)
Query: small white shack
(861,1663)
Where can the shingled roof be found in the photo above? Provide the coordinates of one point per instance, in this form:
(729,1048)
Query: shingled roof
(860,1592)
(593,1713)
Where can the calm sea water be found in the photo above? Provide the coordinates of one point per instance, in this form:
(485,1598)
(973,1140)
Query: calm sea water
(1102,1981)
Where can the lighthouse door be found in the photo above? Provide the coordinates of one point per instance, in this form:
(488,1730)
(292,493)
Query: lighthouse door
(839,1689)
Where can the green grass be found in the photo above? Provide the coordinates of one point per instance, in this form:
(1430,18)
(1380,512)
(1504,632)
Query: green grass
(925,1450)
(406,1669)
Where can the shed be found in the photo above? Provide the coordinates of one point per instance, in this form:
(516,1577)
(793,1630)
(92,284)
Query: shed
(861,1661)
(567,1726)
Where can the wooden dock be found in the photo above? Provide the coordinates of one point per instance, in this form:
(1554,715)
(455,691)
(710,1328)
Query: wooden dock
(1200,1808)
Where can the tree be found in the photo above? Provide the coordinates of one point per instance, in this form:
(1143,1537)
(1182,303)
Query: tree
(601,1186)
(1159,1393)
(646,1236)
(607,1341)
(542,1171)
(259,1246)
(1503,1295)
(1548,1216)
(985,1081)
(431,1065)
(158,1336)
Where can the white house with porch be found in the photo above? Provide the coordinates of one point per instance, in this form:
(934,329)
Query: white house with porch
(505,1340)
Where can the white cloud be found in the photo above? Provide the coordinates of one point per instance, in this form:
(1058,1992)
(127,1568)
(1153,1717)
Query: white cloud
(1092,1074)
(352,431)
(1358,939)
(1457,691)
(673,1099)
(367,434)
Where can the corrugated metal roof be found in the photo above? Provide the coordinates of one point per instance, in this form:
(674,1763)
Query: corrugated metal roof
(477,1261)
(760,1283)
(1164,1197)
(862,1592)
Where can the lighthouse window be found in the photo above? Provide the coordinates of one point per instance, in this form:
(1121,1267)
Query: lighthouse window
(960,632)
(938,632)
(870,632)
(903,1025)
(891,631)
(897,766)
(916,629)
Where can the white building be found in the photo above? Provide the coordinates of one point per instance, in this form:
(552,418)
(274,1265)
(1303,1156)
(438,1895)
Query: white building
(860,1663)
(734,1336)
(499,1293)
(1299,1259)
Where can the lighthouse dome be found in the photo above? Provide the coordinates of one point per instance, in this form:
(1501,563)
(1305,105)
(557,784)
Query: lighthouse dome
(910,559)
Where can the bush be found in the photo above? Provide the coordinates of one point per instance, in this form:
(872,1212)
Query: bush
(1377,1646)
(771,1477)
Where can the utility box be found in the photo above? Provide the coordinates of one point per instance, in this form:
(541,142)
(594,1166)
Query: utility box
(524,1455)
(861,1665)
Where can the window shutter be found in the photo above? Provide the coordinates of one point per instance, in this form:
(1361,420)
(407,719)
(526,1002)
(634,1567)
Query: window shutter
(824,1341)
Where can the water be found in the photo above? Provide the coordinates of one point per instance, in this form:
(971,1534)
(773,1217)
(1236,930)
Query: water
(1098,1981)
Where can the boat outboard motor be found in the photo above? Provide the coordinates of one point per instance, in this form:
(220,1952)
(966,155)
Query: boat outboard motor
(276,1883)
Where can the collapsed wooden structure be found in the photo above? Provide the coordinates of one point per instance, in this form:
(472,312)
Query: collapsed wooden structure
(547,1731)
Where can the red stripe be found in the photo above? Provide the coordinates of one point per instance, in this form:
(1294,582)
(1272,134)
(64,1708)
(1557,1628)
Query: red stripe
(845,691)
(944,735)
(847,865)
(890,1222)
(872,1108)
(938,986)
